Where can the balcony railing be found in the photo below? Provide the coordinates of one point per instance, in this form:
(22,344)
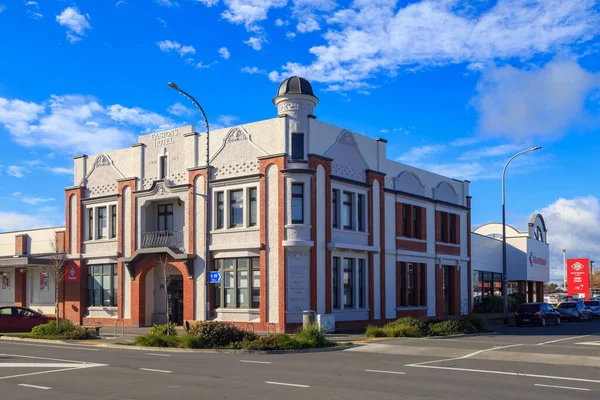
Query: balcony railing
(163,239)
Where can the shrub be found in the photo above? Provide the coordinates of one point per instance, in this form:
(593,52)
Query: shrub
(193,327)
(375,331)
(444,327)
(271,342)
(479,323)
(312,336)
(154,340)
(189,341)
(401,331)
(65,330)
(221,334)
(162,329)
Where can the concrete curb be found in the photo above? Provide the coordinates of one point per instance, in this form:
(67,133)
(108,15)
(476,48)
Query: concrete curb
(178,350)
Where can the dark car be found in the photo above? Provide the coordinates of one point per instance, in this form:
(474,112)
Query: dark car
(594,306)
(574,311)
(536,314)
(20,319)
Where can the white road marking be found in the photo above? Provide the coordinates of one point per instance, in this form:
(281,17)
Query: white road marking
(563,339)
(156,370)
(563,387)
(75,367)
(71,347)
(286,384)
(256,362)
(38,365)
(34,386)
(47,358)
(590,343)
(385,372)
(465,356)
(485,371)
(158,355)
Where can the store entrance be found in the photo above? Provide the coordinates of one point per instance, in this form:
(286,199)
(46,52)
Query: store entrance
(175,300)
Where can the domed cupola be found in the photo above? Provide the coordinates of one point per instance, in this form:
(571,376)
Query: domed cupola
(295,95)
(295,85)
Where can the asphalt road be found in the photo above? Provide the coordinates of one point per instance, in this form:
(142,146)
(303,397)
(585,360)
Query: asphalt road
(532,363)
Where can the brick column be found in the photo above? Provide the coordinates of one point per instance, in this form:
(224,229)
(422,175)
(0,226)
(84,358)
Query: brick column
(123,184)
(540,291)
(20,288)
(418,283)
(373,176)
(78,192)
(529,291)
(439,292)
(522,288)
(469,271)
(74,294)
(455,282)
(21,247)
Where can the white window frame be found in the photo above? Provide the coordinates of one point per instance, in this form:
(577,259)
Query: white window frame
(307,191)
(355,283)
(245,188)
(109,222)
(354,191)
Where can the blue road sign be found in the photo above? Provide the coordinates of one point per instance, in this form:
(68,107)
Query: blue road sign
(214,277)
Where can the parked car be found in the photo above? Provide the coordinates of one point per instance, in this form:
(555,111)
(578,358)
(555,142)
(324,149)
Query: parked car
(594,306)
(574,311)
(20,319)
(536,314)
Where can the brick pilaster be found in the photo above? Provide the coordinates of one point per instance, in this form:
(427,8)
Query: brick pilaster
(21,242)
(372,176)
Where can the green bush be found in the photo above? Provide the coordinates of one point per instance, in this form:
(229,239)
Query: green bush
(375,331)
(162,329)
(271,342)
(401,331)
(65,330)
(479,323)
(189,341)
(312,336)
(153,340)
(450,327)
(221,334)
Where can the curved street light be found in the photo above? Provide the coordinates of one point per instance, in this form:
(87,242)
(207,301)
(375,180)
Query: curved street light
(505,285)
(207,193)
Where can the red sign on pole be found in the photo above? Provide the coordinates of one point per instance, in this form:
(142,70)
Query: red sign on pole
(578,278)
(72,274)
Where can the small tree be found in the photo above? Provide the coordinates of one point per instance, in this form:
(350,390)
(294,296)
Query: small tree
(550,287)
(595,279)
(56,271)
(165,272)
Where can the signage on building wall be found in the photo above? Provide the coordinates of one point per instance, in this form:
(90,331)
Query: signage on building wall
(536,261)
(214,277)
(44,280)
(72,274)
(164,138)
(298,283)
(578,278)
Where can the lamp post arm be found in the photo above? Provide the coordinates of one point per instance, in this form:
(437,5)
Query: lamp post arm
(506,166)
(189,96)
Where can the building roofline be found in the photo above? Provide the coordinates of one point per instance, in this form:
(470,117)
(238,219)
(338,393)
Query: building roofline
(34,229)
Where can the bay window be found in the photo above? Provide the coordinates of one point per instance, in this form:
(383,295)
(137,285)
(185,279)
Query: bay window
(240,284)
(236,208)
(347,210)
(297,203)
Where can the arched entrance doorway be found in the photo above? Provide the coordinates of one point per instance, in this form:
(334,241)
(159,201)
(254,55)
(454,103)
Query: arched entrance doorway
(161,284)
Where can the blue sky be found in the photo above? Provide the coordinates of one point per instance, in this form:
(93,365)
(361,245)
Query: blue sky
(456,87)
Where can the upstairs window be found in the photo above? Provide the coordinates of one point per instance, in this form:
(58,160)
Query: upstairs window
(335,219)
(236,208)
(165,217)
(162,167)
(416,222)
(252,212)
(347,210)
(361,212)
(102,223)
(449,226)
(297,203)
(297,146)
(113,221)
(405,220)
(90,224)
(220,210)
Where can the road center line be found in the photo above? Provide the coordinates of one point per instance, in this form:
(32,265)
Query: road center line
(563,339)
(158,355)
(156,370)
(287,384)
(385,372)
(47,358)
(256,362)
(40,365)
(34,386)
(589,343)
(563,387)
(70,347)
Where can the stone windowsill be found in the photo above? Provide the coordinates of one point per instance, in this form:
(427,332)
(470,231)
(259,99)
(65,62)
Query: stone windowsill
(98,241)
(349,310)
(448,244)
(238,310)
(411,308)
(354,232)
(235,230)
(411,239)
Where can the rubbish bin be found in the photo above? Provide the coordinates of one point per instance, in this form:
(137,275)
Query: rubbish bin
(308,317)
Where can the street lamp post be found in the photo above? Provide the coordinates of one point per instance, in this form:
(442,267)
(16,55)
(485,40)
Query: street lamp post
(505,285)
(207,193)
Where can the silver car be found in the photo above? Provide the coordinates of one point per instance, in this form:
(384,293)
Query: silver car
(574,311)
(594,306)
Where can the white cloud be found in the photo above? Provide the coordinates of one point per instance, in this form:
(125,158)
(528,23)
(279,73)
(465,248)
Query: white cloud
(162,21)
(74,124)
(223,52)
(180,110)
(256,42)
(208,3)
(12,221)
(418,153)
(168,45)
(61,170)
(376,37)
(120,3)
(34,15)
(574,225)
(280,22)
(32,3)
(16,171)
(223,121)
(34,201)
(290,35)
(310,25)
(201,65)
(253,70)
(167,3)
(75,22)
(465,141)
(492,151)
(538,102)
(250,12)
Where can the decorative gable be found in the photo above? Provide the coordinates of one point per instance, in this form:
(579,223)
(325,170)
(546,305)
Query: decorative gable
(102,178)
(408,182)
(445,192)
(348,161)
(238,155)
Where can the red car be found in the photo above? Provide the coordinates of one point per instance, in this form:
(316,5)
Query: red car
(20,319)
